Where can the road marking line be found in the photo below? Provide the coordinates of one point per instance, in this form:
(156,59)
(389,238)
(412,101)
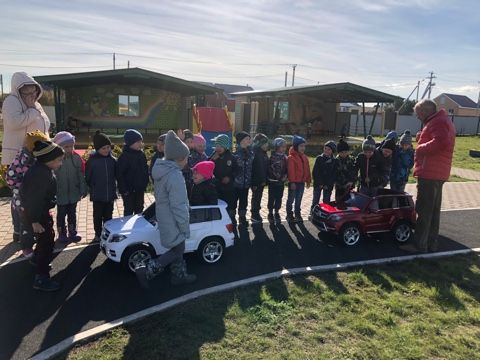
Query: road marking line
(84,335)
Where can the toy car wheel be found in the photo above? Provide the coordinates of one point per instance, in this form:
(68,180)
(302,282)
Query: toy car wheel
(136,255)
(402,232)
(211,249)
(350,234)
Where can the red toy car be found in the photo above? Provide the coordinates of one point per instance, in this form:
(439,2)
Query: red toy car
(389,211)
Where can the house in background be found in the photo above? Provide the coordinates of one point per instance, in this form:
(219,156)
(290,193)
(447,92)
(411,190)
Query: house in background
(223,97)
(457,105)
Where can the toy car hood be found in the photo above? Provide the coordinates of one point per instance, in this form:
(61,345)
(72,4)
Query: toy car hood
(127,225)
(336,210)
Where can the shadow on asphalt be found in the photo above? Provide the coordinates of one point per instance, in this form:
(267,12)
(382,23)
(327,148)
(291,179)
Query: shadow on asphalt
(96,291)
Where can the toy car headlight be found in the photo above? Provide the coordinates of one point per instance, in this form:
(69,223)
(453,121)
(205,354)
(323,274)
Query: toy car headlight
(117,238)
(334,217)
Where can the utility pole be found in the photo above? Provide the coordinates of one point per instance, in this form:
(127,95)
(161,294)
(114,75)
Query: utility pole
(113,61)
(478,109)
(293,76)
(1,86)
(128,64)
(286,77)
(418,88)
(431,84)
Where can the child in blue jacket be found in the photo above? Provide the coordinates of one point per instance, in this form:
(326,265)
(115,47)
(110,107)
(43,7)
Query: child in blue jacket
(402,163)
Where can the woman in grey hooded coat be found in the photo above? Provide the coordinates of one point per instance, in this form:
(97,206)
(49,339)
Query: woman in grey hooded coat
(172,213)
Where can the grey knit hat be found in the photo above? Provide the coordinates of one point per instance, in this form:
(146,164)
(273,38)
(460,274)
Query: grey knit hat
(278,142)
(368,144)
(175,149)
(260,140)
(406,138)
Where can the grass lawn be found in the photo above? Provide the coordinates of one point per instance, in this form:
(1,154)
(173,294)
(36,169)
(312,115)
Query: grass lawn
(427,309)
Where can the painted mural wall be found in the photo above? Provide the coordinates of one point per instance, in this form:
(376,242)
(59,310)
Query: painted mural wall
(104,106)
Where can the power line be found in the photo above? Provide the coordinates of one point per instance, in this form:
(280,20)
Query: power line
(55,67)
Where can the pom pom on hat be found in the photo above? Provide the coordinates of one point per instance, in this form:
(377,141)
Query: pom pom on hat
(368,144)
(343,146)
(406,138)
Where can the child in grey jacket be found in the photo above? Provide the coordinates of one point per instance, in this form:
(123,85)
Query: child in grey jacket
(172,213)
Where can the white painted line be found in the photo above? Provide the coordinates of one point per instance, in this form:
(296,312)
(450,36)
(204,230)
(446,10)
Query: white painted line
(70,341)
(464,209)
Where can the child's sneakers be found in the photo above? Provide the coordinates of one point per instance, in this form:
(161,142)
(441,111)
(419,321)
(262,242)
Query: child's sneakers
(27,253)
(73,235)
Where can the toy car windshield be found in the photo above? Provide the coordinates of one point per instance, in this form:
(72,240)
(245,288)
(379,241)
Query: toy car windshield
(357,200)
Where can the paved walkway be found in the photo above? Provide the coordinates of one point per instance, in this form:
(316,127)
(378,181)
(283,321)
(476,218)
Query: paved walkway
(466,173)
(456,195)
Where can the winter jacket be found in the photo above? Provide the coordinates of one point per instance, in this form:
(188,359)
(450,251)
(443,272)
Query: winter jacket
(243,174)
(324,171)
(402,163)
(387,169)
(225,167)
(373,168)
(277,169)
(157,155)
(132,171)
(204,193)
(346,172)
(16,172)
(171,203)
(71,185)
(37,193)
(101,175)
(259,167)
(187,171)
(298,167)
(196,157)
(18,119)
(434,153)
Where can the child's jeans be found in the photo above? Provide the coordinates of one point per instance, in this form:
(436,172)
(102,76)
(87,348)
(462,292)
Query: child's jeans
(44,249)
(102,212)
(257,199)
(295,196)
(133,203)
(241,200)
(275,196)
(317,192)
(397,186)
(68,211)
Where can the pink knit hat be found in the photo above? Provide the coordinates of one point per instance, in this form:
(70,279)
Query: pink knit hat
(198,139)
(205,168)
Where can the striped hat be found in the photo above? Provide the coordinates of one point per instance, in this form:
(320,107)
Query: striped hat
(45,151)
(222,140)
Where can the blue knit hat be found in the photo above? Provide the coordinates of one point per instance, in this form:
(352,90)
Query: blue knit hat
(297,140)
(392,135)
(131,136)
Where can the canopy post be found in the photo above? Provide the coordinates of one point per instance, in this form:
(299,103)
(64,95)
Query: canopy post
(364,120)
(374,116)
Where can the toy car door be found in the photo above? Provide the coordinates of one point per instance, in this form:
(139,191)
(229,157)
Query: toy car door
(200,227)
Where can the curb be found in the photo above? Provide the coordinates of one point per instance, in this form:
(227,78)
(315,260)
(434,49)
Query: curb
(87,334)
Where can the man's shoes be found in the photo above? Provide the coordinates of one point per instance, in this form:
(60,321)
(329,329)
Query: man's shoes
(44,283)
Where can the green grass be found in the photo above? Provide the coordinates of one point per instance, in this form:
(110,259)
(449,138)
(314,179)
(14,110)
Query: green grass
(417,310)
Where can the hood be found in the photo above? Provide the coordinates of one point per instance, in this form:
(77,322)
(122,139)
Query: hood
(163,168)
(293,152)
(20,79)
(127,225)
(334,210)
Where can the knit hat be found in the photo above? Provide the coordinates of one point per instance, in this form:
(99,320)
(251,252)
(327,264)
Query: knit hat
(259,140)
(32,137)
(278,142)
(175,149)
(100,140)
(131,136)
(161,138)
(368,144)
(392,135)
(297,140)
(406,138)
(389,144)
(45,151)
(222,140)
(343,146)
(205,168)
(331,144)
(198,139)
(64,138)
(188,134)
(240,136)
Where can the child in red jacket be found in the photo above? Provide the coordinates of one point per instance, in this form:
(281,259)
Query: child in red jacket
(298,176)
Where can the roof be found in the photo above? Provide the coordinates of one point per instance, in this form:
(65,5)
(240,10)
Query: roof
(131,76)
(339,92)
(228,88)
(461,100)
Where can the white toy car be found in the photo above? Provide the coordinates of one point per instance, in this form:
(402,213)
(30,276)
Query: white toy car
(135,239)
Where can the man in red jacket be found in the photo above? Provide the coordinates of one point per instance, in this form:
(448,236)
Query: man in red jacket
(433,162)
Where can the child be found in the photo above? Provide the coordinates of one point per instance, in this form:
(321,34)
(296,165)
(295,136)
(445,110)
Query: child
(402,163)
(71,188)
(345,175)
(198,153)
(203,189)
(370,164)
(388,150)
(159,154)
(132,173)
(225,168)
(172,212)
(14,176)
(324,172)
(298,176)
(38,197)
(277,176)
(187,138)
(243,175)
(259,175)
(100,175)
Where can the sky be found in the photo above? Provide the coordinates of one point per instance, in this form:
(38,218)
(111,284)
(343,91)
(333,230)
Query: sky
(387,45)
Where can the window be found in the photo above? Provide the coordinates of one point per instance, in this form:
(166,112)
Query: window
(280,111)
(128,105)
(203,215)
(403,202)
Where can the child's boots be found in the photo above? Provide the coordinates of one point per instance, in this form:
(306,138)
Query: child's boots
(62,235)
(179,273)
(73,235)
